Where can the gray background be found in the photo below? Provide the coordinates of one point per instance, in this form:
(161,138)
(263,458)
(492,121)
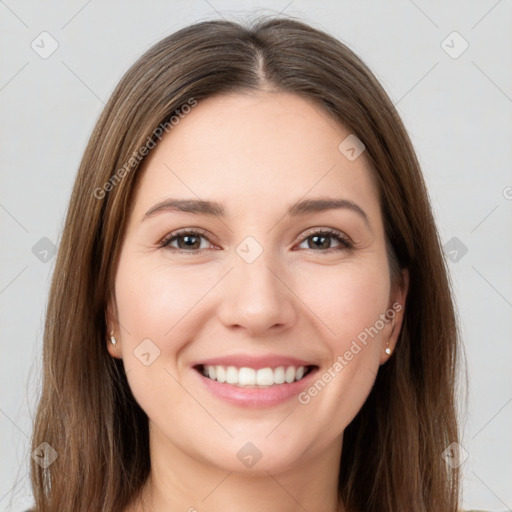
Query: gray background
(458,112)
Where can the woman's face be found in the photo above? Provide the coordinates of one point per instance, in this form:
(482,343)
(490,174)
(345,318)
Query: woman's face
(258,287)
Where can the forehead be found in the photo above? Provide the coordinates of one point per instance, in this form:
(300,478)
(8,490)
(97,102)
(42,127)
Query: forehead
(257,148)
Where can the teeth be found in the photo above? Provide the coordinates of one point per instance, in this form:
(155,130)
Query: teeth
(290,374)
(221,373)
(231,375)
(279,375)
(265,377)
(249,377)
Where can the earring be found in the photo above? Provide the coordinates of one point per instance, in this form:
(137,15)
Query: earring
(388,350)
(112,339)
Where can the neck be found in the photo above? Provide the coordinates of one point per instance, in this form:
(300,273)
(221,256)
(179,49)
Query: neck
(180,482)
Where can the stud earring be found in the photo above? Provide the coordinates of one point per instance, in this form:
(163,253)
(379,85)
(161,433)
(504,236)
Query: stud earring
(112,339)
(388,351)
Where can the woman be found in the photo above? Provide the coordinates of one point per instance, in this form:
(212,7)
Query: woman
(250,309)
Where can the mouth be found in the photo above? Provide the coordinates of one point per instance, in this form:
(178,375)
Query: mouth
(247,377)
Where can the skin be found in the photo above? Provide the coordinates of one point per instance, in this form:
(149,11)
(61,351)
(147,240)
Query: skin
(256,153)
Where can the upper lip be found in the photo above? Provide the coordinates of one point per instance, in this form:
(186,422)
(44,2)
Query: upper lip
(256,362)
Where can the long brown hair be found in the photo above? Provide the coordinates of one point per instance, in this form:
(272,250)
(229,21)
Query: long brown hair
(392,450)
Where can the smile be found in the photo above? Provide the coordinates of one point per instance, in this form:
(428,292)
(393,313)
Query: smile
(254,381)
(247,377)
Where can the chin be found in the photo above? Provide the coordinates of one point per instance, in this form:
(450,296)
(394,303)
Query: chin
(260,453)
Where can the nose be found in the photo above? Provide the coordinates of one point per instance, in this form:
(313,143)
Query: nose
(257,297)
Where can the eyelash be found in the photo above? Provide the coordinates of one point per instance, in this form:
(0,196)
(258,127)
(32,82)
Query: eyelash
(345,243)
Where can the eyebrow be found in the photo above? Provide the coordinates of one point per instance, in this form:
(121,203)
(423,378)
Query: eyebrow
(216,209)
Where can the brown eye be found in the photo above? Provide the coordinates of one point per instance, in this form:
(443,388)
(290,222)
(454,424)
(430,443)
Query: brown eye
(320,240)
(187,241)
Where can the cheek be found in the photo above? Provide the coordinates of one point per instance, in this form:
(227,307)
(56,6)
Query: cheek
(347,300)
(153,300)
(159,306)
(155,311)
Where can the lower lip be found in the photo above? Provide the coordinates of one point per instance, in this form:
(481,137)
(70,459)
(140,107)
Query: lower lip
(256,397)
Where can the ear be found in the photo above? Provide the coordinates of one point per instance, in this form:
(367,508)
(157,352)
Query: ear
(112,327)
(397,301)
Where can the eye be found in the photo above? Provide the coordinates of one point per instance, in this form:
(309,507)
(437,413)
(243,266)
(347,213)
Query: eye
(190,241)
(320,239)
(187,239)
